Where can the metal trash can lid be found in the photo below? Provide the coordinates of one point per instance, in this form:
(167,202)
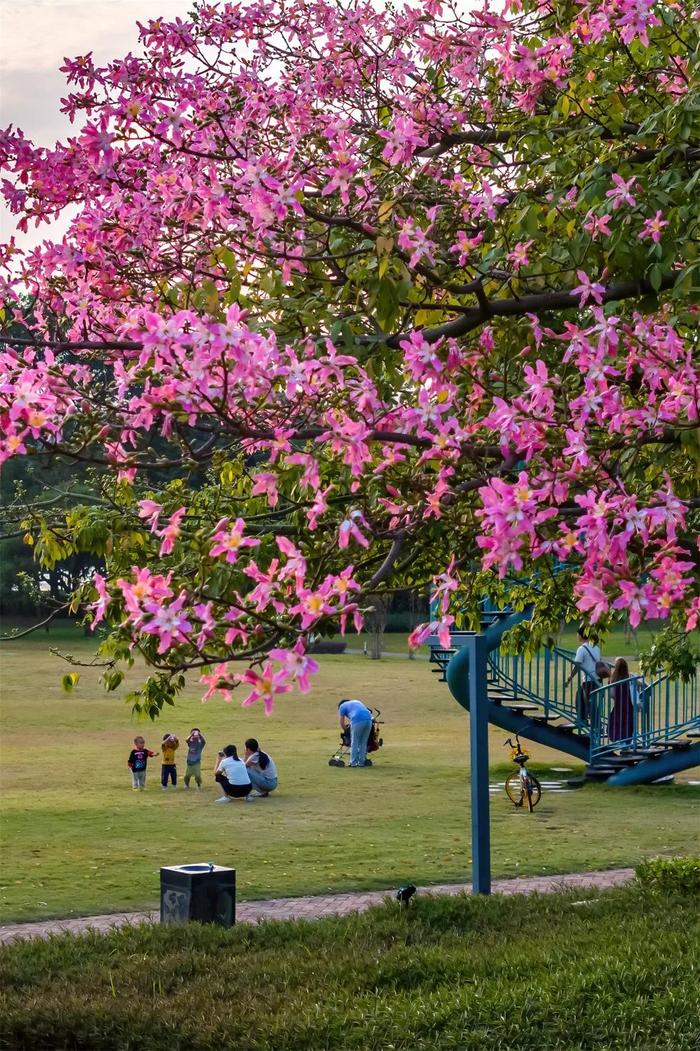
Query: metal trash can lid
(198,867)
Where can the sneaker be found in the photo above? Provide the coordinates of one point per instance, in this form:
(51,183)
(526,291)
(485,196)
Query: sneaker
(142,788)
(250,798)
(186,787)
(259,795)
(224,799)
(164,787)
(135,788)
(199,788)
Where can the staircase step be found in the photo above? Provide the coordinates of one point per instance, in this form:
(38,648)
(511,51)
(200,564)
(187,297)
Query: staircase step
(600,773)
(520,709)
(544,718)
(677,742)
(693,733)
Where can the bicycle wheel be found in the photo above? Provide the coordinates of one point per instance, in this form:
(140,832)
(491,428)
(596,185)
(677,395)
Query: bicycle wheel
(533,791)
(514,789)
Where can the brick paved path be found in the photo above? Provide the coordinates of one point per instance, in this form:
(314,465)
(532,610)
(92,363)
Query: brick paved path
(323,905)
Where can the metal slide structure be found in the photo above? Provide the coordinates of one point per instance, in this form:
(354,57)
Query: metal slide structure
(658,736)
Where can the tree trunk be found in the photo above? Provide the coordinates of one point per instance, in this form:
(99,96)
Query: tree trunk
(376,622)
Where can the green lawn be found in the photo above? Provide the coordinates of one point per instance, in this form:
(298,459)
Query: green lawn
(578,972)
(77,840)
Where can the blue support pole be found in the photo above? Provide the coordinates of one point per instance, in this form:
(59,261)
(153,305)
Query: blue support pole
(479,754)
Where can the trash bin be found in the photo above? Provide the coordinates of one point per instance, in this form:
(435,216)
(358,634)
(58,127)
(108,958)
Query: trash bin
(203,892)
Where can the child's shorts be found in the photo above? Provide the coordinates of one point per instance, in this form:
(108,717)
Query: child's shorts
(194,770)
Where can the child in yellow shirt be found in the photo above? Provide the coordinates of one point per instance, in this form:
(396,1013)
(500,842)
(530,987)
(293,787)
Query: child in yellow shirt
(168,770)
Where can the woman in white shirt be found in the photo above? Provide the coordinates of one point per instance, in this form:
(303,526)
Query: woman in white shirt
(261,768)
(232,775)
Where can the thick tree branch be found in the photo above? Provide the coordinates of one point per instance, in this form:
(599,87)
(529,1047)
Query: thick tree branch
(388,564)
(539,303)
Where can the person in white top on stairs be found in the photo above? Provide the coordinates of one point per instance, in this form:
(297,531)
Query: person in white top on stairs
(586,660)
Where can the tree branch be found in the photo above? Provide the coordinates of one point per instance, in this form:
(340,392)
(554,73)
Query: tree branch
(539,303)
(388,564)
(35,627)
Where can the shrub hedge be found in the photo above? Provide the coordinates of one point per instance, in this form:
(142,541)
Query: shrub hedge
(613,970)
(680,875)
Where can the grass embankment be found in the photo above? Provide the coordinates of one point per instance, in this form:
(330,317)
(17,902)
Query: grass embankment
(77,840)
(614,970)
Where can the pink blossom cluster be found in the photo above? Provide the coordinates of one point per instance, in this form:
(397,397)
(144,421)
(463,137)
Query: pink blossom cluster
(260,148)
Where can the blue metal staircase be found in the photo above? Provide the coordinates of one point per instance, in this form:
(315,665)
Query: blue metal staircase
(530,696)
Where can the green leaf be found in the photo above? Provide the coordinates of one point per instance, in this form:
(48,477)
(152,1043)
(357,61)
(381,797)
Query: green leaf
(656,277)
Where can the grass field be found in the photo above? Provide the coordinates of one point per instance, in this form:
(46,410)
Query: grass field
(77,840)
(576,972)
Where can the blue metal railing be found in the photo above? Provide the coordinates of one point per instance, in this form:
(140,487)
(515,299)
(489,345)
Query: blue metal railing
(664,709)
(542,679)
(635,715)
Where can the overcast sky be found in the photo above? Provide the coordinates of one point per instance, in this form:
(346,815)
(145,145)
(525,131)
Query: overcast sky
(36,35)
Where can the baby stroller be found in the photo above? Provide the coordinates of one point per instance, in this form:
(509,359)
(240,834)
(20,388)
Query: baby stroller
(374,742)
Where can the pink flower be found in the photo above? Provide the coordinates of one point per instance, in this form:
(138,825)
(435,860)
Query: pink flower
(637,601)
(592,597)
(635,18)
(401,141)
(445,585)
(693,614)
(519,257)
(266,482)
(299,666)
(621,192)
(146,585)
(150,510)
(168,623)
(266,685)
(440,627)
(312,605)
(295,563)
(103,600)
(414,239)
(464,246)
(596,225)
(171,532)
(588,289)
(652,228)
(229,542)
(219,680)
(351,528)
(343,584)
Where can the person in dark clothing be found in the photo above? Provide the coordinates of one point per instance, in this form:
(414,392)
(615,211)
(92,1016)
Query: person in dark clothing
(137,763)
(621,721)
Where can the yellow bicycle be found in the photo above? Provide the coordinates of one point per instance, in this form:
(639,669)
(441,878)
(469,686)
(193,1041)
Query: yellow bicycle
(522,786)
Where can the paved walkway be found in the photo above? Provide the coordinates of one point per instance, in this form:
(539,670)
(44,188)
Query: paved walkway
(314,908)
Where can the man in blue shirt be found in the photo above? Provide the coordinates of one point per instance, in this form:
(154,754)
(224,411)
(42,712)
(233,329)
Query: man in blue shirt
(359,717)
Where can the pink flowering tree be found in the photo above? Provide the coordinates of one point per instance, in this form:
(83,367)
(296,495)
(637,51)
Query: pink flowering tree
(357,298)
